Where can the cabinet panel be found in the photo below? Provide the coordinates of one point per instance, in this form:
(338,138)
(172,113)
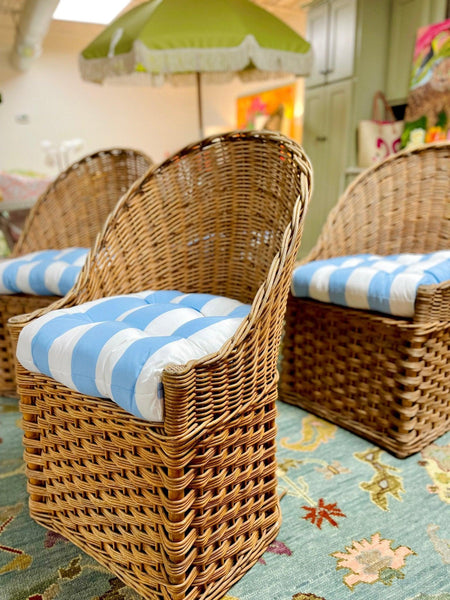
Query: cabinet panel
(315,128)
(317,35)
(342,33)
(315,145)
(339,101)
(331,29)
(438,11)
(325,140)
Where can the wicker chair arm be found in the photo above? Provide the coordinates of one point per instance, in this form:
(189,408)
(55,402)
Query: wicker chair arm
(222,386)
(18,322)
(433,303)
(209,392)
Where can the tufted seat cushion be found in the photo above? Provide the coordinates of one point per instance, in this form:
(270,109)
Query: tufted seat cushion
(42,273)
(117,347)
(386,284)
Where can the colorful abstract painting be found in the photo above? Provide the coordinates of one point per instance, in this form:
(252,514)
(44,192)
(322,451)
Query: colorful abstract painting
(271,109)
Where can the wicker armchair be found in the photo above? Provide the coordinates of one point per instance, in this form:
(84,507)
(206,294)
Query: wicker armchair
(180,510)
(384,378)
(69,213)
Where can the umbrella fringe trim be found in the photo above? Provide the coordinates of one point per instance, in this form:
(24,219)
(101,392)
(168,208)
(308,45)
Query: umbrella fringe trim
(169,64)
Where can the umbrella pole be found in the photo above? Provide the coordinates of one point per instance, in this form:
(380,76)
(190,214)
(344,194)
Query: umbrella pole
(199,103)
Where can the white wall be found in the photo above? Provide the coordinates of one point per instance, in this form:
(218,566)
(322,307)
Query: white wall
(60,106)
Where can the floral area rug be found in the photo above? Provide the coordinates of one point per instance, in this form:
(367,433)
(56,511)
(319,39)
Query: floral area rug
(358,524)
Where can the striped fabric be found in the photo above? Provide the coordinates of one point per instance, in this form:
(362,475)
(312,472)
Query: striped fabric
(42,273)
(117,347)
(386,284)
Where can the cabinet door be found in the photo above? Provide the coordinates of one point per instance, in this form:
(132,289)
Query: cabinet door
(315,144)
(317,35)
(342,37)
(325,140)
(339,106)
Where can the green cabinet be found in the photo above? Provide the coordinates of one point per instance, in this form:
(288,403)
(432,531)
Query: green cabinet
(325,139)
(349,39)
(331,28)
(360,46)
(317,35)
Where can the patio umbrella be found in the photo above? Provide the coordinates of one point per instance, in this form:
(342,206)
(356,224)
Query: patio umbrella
(173,40)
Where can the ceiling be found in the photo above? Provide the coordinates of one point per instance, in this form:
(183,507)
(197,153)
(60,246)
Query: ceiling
(14,7)
(32,19)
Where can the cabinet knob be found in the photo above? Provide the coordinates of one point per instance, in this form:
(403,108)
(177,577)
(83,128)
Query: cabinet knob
(326,71)
(321,138)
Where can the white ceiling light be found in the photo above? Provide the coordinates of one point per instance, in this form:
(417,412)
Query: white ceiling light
(89,11)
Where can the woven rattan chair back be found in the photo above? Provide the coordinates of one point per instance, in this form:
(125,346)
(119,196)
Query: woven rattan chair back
(75,205)
(384,378)
(399,205)
(212,216)
(69,213)
(182,508)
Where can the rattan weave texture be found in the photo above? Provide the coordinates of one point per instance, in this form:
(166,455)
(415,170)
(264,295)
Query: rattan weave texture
(386,379)
(70,212)
(180,511)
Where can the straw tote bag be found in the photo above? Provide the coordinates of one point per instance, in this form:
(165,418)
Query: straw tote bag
(378,137)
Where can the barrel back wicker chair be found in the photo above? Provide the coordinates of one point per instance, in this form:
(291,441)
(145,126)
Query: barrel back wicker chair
(384,378)
(69,213)
(179,510)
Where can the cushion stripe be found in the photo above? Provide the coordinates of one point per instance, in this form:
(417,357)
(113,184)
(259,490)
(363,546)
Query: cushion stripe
(162,296)
(212,337)
(83,369)
(319,286)
(60,354)
(153,319)
(402,293)
(357,278)
(109,354)
(176,352)
(50,332)
(128,367)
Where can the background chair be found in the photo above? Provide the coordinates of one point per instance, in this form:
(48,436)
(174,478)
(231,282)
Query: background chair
(384,378)
(69,213)
(180,510)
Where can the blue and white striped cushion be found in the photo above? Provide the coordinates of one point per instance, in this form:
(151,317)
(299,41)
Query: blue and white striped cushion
(117,347)
(386,284)
(42,273)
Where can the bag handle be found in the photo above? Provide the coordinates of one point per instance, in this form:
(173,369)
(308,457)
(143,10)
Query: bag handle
(388,112)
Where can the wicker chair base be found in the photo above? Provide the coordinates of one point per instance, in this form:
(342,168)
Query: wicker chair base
(174,518)
(385,379)
(11,305)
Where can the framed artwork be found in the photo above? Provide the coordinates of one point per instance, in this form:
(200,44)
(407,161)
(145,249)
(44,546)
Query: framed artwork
(427,112)
(271,109)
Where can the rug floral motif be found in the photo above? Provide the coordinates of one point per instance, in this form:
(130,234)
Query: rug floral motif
(358,523)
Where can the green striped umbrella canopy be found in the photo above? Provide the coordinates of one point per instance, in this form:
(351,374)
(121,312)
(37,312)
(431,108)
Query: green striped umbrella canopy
(175,40)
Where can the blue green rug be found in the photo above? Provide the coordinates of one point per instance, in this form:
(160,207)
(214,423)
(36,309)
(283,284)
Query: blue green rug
(358,524)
